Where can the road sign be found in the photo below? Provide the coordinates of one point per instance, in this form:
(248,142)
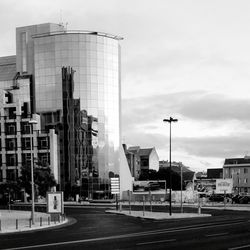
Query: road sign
(115,185)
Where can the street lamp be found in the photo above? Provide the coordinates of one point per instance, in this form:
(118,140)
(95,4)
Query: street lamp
(32,122)
(170,120)
(181,189)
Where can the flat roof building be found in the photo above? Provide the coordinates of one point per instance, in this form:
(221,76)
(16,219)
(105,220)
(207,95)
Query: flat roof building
(239,170)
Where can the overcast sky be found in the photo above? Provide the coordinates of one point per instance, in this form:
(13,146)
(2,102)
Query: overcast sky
(181,58)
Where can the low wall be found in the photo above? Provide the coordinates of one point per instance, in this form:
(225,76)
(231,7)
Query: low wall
(187,196)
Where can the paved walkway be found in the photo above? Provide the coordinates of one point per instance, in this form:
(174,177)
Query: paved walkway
(17,221)
(157,215)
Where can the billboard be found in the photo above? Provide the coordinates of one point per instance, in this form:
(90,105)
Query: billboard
(55,203)
(224,185)
(154,187)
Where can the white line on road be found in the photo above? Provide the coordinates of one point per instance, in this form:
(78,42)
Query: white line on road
(240,247)
(214,235)
(155,242)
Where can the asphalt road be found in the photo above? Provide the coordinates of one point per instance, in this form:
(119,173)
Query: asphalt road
(94,229)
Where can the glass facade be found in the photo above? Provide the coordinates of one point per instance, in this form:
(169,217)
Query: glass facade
(96,61)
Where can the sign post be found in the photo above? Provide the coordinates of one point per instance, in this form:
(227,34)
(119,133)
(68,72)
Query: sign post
(115,189)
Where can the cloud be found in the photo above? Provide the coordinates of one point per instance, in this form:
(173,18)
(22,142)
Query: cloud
(197,106)
(204,147)
(220,147)
(143,116)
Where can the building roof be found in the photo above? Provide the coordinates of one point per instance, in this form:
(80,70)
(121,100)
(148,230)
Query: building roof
(87,32)
(145,151)
(7,68)
(236,161)
(134,149)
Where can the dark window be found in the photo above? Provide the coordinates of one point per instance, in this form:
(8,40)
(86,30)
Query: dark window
(26,143)
(43,143)
(43,159)
(26,159)
(25,128)
(10,144)
(144,162)
(11,160)
(10,128)
(1,175)
(11,174)
(12,113)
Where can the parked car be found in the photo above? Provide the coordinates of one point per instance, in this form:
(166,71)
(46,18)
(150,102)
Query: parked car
(241,199)
(216,197)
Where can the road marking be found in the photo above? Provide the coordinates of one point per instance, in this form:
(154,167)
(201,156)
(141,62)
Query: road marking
(213,235)
(155,242)
(123,236)
(241,247)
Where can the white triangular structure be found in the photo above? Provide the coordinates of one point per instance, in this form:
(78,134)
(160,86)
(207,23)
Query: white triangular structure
(126,179)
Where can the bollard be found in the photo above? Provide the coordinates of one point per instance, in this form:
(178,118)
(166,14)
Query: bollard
(120,206)
(59,218)
(48,220)
(199,209)
(143,205)
(16,224)
(41,221)
(150,201)
(129,203)
(30,222)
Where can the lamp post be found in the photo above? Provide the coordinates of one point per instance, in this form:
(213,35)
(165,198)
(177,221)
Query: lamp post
(238,183)
(32,122)
(181,189)
(170,120)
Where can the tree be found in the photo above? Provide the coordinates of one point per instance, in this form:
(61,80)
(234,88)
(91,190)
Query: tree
(164,174)
(43,179)
(9,191)
(148,174)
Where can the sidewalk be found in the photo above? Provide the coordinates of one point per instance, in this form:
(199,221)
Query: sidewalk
(157,215)
(18,221)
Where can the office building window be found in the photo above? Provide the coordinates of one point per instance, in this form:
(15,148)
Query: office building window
(245,170)
(25,128)
(11,160)
(26,159)
(26,145)
(10,144)
(10,128)
(43,143)
(43,159)
(11,174)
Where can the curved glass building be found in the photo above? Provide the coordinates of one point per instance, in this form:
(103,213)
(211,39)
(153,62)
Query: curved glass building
(94,62)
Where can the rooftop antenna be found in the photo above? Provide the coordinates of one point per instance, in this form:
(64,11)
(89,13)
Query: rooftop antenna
(61,22)
(66,25)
